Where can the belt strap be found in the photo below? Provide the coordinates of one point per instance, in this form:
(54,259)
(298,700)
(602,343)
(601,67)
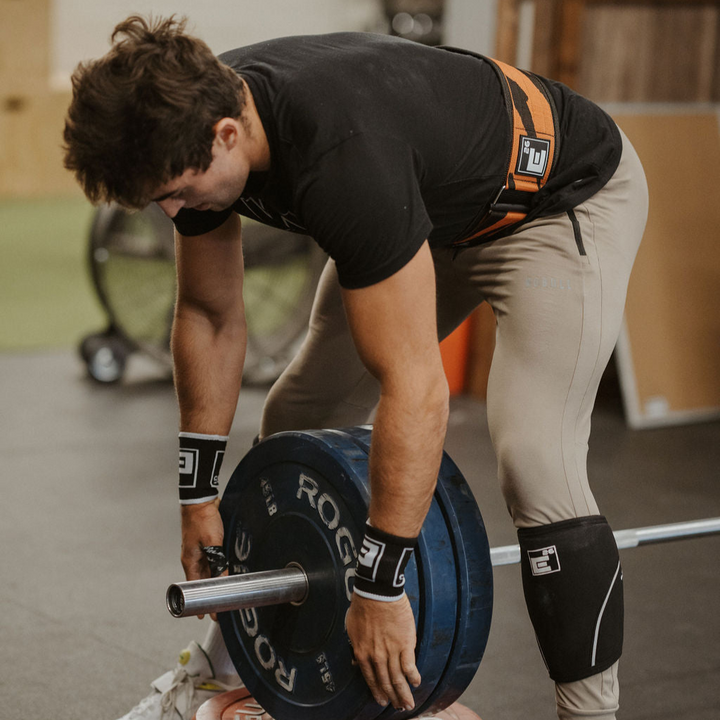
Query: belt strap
(533,122)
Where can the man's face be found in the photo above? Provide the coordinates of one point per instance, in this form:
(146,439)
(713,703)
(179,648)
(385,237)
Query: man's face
(216,188)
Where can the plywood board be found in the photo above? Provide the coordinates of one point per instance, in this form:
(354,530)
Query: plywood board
(24,46)
(644,53)
(669,352)
(31,156)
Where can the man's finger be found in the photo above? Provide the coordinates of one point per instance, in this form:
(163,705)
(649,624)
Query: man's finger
(368,671)
(195,564)
(387,682)
(403,695)
(409,668)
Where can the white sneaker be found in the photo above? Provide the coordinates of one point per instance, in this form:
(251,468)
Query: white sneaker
(178,693)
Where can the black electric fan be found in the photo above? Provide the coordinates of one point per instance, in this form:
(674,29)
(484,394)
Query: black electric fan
(132,263)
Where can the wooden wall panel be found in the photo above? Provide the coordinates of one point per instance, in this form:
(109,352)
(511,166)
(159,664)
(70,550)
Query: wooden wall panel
(645,53)
(544,49)
(31,146)
(716,64)
(669,354)
(506,35)
(24,46)
(630,50)
(31,114)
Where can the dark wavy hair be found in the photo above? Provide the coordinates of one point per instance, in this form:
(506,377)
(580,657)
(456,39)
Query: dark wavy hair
(145,112)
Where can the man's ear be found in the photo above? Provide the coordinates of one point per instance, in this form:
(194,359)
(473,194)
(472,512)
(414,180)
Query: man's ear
(227,132)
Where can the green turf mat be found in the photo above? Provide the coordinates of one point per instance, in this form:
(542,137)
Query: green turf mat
(46,295)
(271,295)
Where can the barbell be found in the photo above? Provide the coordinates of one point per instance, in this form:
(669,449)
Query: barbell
(294,512)
(273,587)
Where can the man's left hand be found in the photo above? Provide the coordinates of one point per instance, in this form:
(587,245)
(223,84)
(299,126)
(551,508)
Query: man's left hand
(383,640)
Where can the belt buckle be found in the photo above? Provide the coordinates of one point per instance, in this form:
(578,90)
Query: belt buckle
(497,196)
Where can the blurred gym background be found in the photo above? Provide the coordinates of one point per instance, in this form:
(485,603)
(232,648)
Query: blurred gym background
(655,65)
(88,450)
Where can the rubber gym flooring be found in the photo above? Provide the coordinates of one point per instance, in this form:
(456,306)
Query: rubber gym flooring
(89,532)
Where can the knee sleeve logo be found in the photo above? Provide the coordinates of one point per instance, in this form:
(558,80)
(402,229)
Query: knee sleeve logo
(544,561)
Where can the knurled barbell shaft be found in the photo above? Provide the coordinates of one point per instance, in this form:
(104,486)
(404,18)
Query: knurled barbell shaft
(274,587)
(235,592)
(625,539)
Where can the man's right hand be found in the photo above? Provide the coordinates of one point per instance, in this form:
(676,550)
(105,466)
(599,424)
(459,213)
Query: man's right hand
(201,526)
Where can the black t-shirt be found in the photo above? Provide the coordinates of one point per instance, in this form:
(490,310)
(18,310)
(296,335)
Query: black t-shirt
(378,143)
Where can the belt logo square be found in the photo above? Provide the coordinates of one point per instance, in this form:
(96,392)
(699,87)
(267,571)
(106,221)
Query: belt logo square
(534,156)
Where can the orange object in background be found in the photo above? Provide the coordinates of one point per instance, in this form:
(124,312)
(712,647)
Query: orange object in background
(454,351)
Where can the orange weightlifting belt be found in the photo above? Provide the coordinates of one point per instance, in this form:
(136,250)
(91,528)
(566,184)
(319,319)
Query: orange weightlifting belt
(533,120)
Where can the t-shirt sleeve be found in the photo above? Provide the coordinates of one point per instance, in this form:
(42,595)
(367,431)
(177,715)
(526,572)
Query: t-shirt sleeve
(191,222)
(361,202)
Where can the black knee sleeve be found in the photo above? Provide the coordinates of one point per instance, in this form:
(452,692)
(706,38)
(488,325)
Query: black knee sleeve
(573,589)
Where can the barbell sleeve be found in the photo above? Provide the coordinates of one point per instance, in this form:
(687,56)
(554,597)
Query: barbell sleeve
(235,592)
(634,537)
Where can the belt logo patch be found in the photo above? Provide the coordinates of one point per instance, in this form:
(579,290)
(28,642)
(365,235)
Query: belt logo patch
(533,157)
(544,561)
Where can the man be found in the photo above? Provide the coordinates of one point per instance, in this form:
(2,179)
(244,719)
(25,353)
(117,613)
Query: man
(435,180)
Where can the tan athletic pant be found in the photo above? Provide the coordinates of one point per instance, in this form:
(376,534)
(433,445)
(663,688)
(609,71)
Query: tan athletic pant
(557,288)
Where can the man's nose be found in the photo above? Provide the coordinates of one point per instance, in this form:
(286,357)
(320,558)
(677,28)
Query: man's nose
(171,206)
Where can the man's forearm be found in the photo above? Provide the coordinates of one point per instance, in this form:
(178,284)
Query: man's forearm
(208,358)
(407,443)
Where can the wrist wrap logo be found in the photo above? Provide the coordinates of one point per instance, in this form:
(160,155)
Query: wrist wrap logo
(370,556)
(187,467)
